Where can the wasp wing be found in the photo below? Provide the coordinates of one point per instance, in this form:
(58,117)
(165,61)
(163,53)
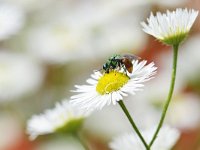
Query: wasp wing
(131,57)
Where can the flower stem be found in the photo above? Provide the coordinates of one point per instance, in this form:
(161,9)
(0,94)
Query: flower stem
(82,142)
(173,77)
(133,124)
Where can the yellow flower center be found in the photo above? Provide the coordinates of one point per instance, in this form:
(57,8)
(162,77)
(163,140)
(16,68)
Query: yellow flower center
(111,81)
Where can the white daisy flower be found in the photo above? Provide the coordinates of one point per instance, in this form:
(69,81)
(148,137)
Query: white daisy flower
(11,20)
(63,118)
(107,88)
(171,27)
(166,139)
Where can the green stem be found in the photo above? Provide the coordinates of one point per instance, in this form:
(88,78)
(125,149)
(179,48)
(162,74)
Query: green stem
(133,124)
(173,77)
(81,141)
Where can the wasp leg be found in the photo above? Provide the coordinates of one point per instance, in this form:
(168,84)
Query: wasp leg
(124,68)
(119,64)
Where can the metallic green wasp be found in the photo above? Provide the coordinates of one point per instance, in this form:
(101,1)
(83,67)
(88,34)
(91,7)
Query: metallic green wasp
(118,62)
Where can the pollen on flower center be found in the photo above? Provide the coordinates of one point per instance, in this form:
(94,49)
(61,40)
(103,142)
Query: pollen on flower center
(111,81)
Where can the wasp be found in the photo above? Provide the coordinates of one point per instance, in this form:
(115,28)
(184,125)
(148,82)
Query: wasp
(119,62)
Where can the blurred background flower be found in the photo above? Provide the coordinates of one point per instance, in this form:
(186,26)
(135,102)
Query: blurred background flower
(19,75)
(12,20)
(165,140)
(48,46)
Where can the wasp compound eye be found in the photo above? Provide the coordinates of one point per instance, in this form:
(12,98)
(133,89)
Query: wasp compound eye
(105,66)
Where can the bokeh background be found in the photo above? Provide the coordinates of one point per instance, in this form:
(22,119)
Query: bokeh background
(48,46)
